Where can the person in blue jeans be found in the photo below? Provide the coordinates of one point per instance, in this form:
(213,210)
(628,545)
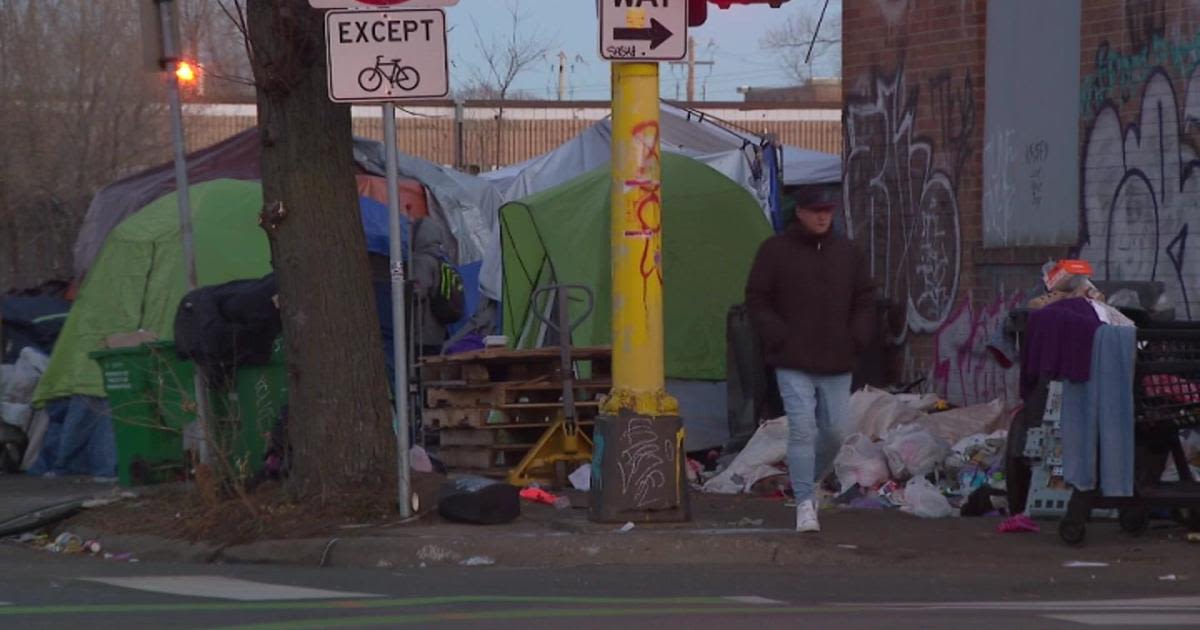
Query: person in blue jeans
(811,299)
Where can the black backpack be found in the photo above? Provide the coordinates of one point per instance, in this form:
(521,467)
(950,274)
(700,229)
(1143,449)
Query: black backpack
(447,299)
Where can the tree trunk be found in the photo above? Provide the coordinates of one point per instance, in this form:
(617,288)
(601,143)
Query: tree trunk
(339,418)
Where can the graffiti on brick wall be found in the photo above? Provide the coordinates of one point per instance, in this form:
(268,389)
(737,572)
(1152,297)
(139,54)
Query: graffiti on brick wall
(894,11)
(902,207)
(1119,75)
(964,370)
(1141,190)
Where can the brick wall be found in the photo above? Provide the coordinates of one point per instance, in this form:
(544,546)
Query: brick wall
(913,77)
(1139,197)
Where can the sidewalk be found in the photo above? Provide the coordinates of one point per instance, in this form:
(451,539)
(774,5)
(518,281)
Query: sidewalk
(20,494)
(725,530)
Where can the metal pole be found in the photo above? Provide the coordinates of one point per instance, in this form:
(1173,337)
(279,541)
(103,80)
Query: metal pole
(399,325)
(639,411)
(638,381)
(460,158)
(171,60)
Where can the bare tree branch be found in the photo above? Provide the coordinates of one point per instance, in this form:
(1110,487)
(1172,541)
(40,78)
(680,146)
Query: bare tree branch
(791,41)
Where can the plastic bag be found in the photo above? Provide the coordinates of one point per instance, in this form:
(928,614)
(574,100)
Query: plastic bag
(982,450)
(25,376)
(912,451)
(874,411)
(757,460)
(922,499)
(956,424)
(16,414)
(860,461)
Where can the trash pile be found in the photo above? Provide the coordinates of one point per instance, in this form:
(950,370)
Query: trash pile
(907,452)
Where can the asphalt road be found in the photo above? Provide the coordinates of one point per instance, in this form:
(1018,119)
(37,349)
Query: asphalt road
(41,590)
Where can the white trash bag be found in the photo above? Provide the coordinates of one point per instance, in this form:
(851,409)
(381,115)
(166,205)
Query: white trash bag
(922,499)
(873,411)
(861,461)
(912,451)
(757,460)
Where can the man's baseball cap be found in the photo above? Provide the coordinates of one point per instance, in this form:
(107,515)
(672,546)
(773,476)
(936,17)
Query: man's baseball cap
(814,199)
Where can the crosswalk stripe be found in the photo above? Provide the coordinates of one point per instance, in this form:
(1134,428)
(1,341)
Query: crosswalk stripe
(1157,603)
(753,599)
(1131,620)
(218,587)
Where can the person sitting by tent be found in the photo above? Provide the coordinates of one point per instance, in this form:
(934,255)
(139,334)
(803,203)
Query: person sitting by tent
(438,289)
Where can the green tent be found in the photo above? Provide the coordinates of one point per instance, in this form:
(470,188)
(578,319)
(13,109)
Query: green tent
(139,278)
(712,228)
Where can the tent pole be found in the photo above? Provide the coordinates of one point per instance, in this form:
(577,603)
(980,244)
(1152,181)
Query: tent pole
(399,325)
(171,57)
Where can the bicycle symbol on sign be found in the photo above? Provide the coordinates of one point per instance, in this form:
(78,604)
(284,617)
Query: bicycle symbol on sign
(402,77)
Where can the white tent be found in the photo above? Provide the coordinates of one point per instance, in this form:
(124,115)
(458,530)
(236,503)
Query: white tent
(804,166)
(737,154)
(734,153)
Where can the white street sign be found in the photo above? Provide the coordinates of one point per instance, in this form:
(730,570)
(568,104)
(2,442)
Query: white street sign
(377,56)
(380,4)
(643,30)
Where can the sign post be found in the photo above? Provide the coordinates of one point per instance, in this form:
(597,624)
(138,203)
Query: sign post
(382,57)
(160,32)
(639,421)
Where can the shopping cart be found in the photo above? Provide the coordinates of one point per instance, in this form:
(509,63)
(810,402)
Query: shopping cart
(1166,389)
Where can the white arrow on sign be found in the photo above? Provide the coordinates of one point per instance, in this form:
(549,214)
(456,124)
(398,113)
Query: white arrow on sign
(380,4)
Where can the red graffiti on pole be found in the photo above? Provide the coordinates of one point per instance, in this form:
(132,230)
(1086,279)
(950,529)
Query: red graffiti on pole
(648,202)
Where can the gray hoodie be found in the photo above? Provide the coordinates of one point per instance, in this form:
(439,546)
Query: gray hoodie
(430,248)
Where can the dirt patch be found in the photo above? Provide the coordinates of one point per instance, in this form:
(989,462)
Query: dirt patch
(184,511)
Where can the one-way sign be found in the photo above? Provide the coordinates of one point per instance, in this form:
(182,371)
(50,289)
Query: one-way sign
(643,30)
(656,34)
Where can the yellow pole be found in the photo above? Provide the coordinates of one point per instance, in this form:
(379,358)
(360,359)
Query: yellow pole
(637,272)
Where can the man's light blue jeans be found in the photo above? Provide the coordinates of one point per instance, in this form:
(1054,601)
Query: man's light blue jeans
(818,407)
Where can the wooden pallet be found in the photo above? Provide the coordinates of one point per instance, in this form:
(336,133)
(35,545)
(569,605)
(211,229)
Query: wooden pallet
(491,406)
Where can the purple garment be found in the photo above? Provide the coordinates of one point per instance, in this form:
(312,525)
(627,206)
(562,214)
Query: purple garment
(1058,343)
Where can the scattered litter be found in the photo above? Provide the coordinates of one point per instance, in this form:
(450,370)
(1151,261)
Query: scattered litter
(66,543)
(92,546)
(847,546)
(1076,564)
(749,522)
(478,561)
(1194,537)
(383,564)
(537,495)
(1168,578)
(581,479)
(922,499)
(626,528)
(419,459)
(120,557)
(1020,523)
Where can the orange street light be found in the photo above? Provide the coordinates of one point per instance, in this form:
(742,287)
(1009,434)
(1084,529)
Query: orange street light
(185,72)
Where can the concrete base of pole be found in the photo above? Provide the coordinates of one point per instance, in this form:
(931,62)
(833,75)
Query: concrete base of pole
(639,470)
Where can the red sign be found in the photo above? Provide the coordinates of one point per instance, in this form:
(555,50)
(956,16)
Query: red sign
(376,4)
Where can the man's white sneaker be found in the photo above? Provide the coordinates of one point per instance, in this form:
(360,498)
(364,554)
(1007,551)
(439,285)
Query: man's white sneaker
(806,517)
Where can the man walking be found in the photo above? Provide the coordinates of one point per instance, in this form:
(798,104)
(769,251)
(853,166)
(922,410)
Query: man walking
(811,299)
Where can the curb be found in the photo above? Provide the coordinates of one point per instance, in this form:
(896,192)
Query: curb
(523,550)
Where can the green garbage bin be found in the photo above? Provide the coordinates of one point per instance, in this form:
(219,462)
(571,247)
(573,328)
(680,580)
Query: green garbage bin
(149,448)
(152,395)
(242,414)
